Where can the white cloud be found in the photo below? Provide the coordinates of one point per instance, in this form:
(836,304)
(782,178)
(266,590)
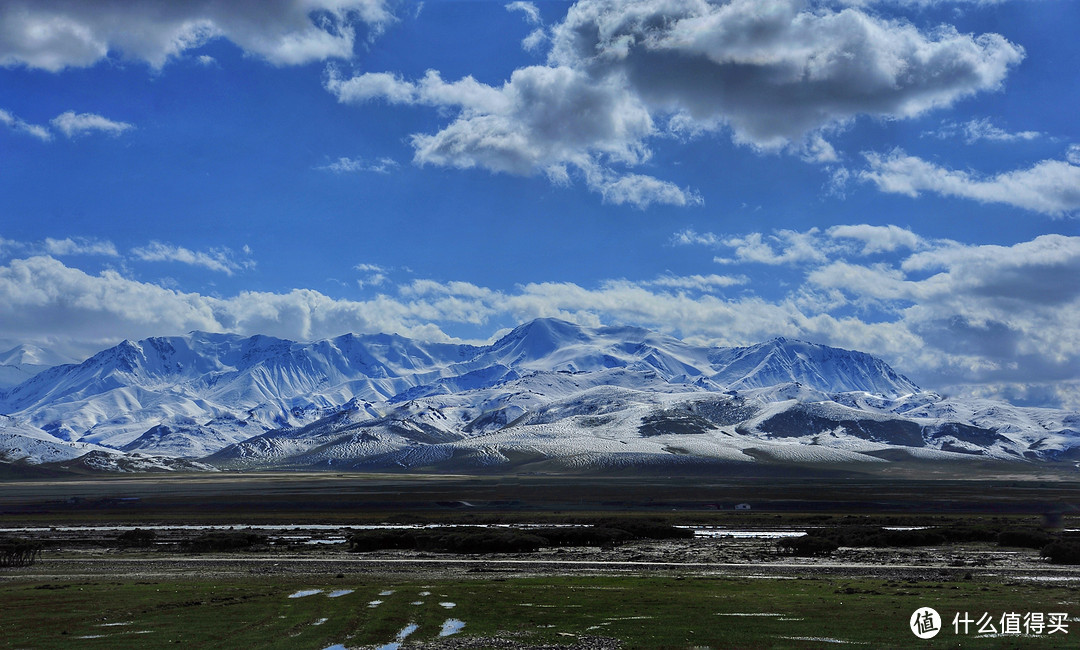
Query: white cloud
(346,165)
(370,268)
(1073,154)
(80,246)
(779,75)
(987,311)
(784,247)
(877,239)
(637,190)
(535,40)
(698,282)
(689,237)
(56,34)
(375,275)
(531,11)
(975,130)
(776,72)
(217,259)
(74,124)
(21,126)
(790,247)
(1051,187)
(543,120)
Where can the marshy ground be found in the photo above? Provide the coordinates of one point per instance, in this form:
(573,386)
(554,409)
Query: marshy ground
(297,585)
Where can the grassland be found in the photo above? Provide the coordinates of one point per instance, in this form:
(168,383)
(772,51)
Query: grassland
(89,593)
(640,612)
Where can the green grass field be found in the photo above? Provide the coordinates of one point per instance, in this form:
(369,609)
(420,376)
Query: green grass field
(642,612)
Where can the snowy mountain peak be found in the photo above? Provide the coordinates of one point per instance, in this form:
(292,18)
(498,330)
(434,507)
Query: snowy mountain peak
(32,355)
(539,338)
(547,389)
(821,367)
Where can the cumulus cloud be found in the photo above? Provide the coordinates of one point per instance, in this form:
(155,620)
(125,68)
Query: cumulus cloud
(21,126)
(1073,154)
(775,72)
(994,320)
(222,260)
(878,239)
(57,34)
(74,124)
(543,119)
(1051,187)
(779,75)
(989,311)
(782,247)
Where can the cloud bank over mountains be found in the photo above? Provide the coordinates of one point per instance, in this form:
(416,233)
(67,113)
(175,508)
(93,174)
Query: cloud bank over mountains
(997,320)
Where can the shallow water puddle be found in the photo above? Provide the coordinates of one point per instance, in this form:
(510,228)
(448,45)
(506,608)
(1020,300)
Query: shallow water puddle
(823,639)
(451,626)
(417,602)
(448,605)
(339,593)
(375,603)
(401,636)
(305,592)
(629,618)
(388,592)
(117,624)
(124,633)
(320,621)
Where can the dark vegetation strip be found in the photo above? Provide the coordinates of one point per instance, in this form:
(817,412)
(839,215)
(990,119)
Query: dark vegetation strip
(1059,547)
(16,552)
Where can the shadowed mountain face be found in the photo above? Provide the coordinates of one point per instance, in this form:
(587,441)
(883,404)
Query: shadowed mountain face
(549,393)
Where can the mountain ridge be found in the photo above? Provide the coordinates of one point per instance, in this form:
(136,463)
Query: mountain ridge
(548,391)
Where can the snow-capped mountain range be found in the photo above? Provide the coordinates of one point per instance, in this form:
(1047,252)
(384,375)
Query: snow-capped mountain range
(550,395)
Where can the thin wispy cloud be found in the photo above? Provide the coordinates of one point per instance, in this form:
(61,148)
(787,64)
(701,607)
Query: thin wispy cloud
(19,125)
(345,165)
(222,260)
(1051,187)
(74,124)
(80,246)
(982,129)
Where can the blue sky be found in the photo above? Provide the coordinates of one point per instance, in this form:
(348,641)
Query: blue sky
(896,176)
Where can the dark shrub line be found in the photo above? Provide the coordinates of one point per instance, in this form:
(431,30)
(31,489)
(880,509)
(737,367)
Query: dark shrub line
(222,542)
(15,551)
(1058,549)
